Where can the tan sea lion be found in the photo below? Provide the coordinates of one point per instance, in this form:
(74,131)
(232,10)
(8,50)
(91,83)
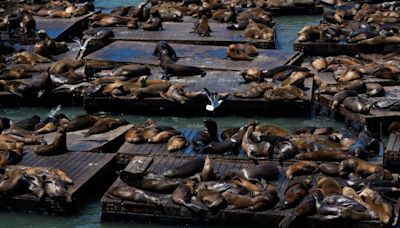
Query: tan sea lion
(378,204)
(323,156)
(286,93)
(53,13)
(182,195)
(350,75)
(359,167)
(328,186)
(82,122)
(319,63)
(58,146)
(176,142)
(105,124)
(208,174)
(201,27)
(301,168)
(29,57)
(212,199)
(163,136)
(133,194)
(253,74)
(294,193)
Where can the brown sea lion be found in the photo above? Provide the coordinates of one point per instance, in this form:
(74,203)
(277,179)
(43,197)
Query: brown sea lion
(351,193)
(149,182)
(53,13)
(379,40)
(64,65)
(46,171)
(176,142)
(154,23)
(340,96)
(328,186)
(301,168)
(253,74)
(201,27)
(305,208)
(27,22)
(319,63)
(163,136)
(285,150)
(286,93)
(27,124)
(253,149)
(359,167)
(378,204)
(323,156)
(357,105)
(133,194)
(161,45)
(294,193)
(55,188)
(58,146)
(175,94)
(212,199)
(182,195)
(255,90)
(296,79)
(131,71)
(29,57)
(350,75)
(187,169)
(208,174)
(13,182)
(329,169)
(172,69)
(228,133)
(375,90)
(105,124)
(238,52)
(82,122)
(268,172)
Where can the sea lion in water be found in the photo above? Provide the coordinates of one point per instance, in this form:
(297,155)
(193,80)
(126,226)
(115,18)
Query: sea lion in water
(301,168)
(82,122)
(357,105)
(328,186)
(176,142)
(182,195)
(201,27)
(268,172)
(329,169)
(172,69)
(133,194)
(58,146)
(187,169)
(105,124)
(323,156)
(161,45)
(359,167)
(378,204)
(294,193)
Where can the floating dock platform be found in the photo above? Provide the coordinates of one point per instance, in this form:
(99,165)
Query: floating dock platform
(391,159)
(297,10)
(330,48)
(90,173)
(118,209)
(203,56)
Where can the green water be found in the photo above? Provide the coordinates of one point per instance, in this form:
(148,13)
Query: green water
(89,214)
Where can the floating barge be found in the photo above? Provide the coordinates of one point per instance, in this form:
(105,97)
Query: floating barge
(330,48)
(117,209)
(203,56)
(181,32)
(86,170)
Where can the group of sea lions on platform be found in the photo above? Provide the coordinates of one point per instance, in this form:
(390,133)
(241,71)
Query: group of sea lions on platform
(41,182)
(353,190)
(256,23)
(263,141)
(350,74)
(367,24)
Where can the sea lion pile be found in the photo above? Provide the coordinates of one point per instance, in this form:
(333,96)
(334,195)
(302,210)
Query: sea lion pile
(350,73)
(287,83)
(263,141)
(354,23)
(40,182)
(352,190)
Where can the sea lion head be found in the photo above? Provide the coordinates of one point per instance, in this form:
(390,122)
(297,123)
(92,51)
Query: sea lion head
(42,34)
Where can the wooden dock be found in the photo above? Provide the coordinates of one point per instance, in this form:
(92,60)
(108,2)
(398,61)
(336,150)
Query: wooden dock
(297,10)
(217,81)
(117,209)
(391,158)
(86,170)
(181,32)
(207,57)
(107,142)
(330,48)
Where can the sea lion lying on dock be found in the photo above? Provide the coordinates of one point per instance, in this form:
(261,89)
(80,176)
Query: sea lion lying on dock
(58,146)
(241,52)
(172,69)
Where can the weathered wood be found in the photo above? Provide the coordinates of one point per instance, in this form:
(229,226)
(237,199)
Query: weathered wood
(118,209)
(297,10)
(182,33)
(208,57)
(392,153)
(84,169)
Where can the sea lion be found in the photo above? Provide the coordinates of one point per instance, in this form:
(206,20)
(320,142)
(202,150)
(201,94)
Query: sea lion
(13,182)
(55,188)
(131,71)
(359,167)
(269,130)
(208,174)
(105,124)
(323,156)
(29,57)
(161,45)
(53,13)
(253,74)
(187,169)
(172,69)
(296,79)
(305,208)
(286,93)
(163,136)
(35,185)
(225,147)
(351,193)
(350,75)
(133,194)
(294,193)
(58,146)
(229,132)
(15,87)
(244,52)
(285,150)
(175,94)
(182,195)
(268,172)
(43,171)
(201,27)
(255,90)
(27,22)
(176,142)
(319,63)
(212,199)
(154,23)
(328,186)
(253,149)
(82,122)
(329,169)
(149,182)
(378,204)
(210,134)
(301,168)
(27,124)
(357,105)
(64,65)
(375,90)
(340,96)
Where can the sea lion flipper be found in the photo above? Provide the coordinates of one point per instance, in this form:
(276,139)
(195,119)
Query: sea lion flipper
(166,97)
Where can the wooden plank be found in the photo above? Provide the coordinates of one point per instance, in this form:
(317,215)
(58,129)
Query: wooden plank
(83,168)
(297,10)
(207,57)
(182,33)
